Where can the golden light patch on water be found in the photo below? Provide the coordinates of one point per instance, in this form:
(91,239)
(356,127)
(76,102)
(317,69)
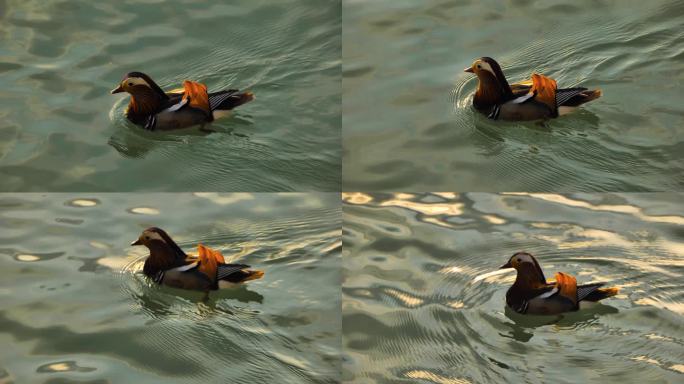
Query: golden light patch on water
(256,330)
(674,307)
(404,196)
(588,272)
(98,245)
(356,198)
(80,171)
(292,361)
(83,202)
(674,248)
(144,211)
(451,269)
(304,243)
(456,304)
(627,209)
(58,367)
(435,378)
(648,266)
(446,195)
(408,300)
(593,237)
(494,219)
(432,209)
(653,336)
(116,263)
(646,359)
(363,292)
(332,246)
(223,198)
(494,273)
(677,367)
(27,257)
(627,284)
(436,221)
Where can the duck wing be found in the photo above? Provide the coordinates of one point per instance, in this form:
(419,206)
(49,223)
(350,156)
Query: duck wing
(567,287)
(519,299)
(226,270)
(209,261)
(556,297)
(522,88)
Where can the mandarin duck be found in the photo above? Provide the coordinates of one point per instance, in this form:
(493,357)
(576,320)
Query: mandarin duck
(535,99)
(532,294)
(169,265)
(153,109)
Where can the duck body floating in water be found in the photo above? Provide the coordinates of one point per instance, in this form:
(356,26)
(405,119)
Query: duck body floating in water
(153,109)
(169,265)
(532,294)
(535,99)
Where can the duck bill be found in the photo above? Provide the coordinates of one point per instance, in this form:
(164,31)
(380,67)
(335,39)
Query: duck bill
(137,242)
(506,266)
(469,70)
(117,90)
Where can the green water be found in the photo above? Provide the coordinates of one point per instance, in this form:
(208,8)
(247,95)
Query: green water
(408,124)
(74,308)
(423,298)
(61,130)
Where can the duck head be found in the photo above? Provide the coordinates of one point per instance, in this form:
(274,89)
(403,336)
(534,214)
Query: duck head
(146,95)
(493,87)
(164,252)
(137,83)
(529,271)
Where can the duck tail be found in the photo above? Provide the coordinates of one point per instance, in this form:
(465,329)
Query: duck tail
(253,274)
(230,99)
(583,97)
(601,293)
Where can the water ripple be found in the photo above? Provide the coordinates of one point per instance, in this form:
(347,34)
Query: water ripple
(427,302)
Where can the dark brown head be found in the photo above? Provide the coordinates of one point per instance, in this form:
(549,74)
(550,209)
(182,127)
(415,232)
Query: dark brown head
(164,252)
(527,267)
(491,77)
(139,84)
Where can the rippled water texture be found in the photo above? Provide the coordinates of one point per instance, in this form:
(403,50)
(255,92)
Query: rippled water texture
(75,310)
(423,298)
(408,124)
(61,130)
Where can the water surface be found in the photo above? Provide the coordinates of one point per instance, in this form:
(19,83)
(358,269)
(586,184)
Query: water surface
(61,130)
(408,124)
(423,298)
(76,309)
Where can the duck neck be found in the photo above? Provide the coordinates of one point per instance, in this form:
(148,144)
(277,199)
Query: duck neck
(490,91)
(145,102)
(162,257)
(529,278)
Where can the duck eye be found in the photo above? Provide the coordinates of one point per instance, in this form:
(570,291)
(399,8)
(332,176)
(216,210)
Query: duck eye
(519,260)
(147,237)
(130,84)
(479,66)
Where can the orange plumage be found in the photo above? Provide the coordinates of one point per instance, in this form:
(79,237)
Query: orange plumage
(545,88)
(197,93)
(567,285)
(209,260)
